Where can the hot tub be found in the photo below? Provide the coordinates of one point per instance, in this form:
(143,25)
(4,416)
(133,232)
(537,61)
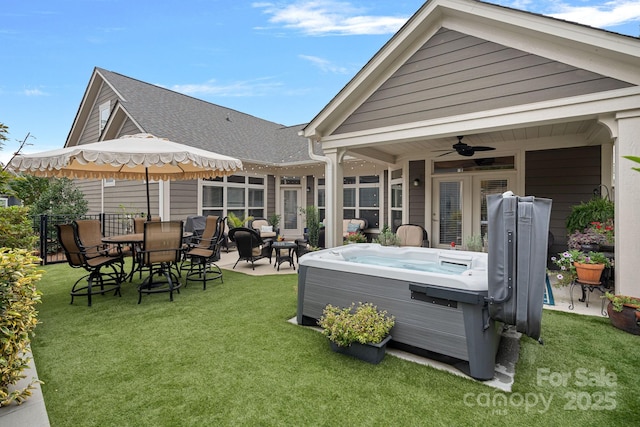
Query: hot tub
(439,297)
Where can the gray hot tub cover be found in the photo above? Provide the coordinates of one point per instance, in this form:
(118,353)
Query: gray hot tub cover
(518,230)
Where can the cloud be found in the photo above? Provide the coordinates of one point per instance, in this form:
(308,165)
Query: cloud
(325,65)
(34,92)
(240,88)
(588,12)
(329,17)
(609,14)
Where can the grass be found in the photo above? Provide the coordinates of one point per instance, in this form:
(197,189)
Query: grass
(228,356)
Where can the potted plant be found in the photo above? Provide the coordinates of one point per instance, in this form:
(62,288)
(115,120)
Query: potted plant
(313,224)
(355,237)
(387,237)
(575,264)
(624,312)
(274,220)
(360,330)
(596,209)
(234,221)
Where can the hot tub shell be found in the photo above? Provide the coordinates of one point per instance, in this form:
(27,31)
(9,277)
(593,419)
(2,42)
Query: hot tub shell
(457,315)
(445,314)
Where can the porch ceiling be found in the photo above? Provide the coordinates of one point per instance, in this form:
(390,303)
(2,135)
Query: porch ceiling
(587,132)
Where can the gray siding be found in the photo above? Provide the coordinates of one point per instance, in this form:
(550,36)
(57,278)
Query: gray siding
(91,189)
(91,131)
(311,183)
(271,196)
(567,176)
(416,194)
(129,128)
(184,199)
(454,73)
(131,197)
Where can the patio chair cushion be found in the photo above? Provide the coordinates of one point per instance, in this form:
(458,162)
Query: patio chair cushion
(412,235)
(353,225)
(264,229)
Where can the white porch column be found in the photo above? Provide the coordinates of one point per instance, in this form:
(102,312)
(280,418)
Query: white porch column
(627,201)
(334,198)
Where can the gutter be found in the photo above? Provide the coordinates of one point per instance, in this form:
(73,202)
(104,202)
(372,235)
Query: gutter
(329,199)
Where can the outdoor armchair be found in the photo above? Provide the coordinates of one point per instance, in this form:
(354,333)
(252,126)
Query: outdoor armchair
(161,251)
(251,247)
(90,235)
(202,254)
(95,262)
(412,235)
(264,229)
(138,223)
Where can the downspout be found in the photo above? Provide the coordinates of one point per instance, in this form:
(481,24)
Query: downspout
(329,199)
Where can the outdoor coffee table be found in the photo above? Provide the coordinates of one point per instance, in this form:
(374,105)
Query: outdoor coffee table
(280,247)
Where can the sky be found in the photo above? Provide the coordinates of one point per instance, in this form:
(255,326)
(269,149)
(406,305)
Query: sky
(280,60)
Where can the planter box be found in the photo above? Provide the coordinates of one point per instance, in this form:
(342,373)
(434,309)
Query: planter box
(627,319)
(372,353)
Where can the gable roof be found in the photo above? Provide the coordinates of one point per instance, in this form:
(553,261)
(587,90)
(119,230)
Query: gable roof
(191,121)
(581,48)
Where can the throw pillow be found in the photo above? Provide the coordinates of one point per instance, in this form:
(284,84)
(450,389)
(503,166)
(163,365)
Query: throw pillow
(353,227)
(266,228)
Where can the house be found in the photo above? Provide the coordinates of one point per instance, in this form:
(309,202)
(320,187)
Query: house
(114,105)
(549,107)
(556,104)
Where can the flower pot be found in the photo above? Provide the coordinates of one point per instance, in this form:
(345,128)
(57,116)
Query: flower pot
(589,273)
(627,319)
(372,353)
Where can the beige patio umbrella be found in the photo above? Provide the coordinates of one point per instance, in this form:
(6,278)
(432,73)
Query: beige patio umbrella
(135,157)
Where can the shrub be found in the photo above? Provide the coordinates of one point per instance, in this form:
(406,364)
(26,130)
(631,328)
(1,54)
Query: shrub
(62,197)
(362,323)
(387,237)
(18,318)
(16,230)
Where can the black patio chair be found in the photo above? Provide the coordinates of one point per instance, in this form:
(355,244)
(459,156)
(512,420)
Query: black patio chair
(251,247)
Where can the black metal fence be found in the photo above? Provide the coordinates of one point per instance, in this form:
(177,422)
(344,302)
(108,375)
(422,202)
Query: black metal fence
(45,227)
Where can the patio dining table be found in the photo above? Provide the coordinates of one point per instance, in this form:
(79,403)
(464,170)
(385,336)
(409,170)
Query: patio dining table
(135,240)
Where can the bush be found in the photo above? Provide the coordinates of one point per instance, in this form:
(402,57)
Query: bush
(18,318)
(62,197)
(362,323)
(387,237)
(16,229)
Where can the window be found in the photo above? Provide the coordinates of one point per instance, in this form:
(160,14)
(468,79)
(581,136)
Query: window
(396,198)
(361,198)
(244,196)
(109,182)
(105,111)
(4,202)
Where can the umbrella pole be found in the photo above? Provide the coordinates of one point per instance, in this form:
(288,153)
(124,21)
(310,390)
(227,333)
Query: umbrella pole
(146,173)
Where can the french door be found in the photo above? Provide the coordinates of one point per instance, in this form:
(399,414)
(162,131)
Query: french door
(291,221)
(460,206)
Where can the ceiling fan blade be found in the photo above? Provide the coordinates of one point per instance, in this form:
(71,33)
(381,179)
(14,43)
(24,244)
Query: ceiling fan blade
(444,154)
(481,148)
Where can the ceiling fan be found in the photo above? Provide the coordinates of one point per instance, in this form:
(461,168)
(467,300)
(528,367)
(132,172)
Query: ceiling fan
(466,150)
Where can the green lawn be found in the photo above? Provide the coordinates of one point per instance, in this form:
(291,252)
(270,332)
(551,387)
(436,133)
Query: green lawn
(228,356)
